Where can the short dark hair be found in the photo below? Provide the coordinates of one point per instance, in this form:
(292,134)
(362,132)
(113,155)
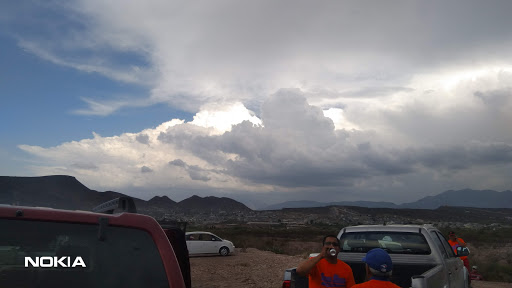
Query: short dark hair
(330,235)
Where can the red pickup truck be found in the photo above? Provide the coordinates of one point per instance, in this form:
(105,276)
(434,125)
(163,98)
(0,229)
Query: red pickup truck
(45,247)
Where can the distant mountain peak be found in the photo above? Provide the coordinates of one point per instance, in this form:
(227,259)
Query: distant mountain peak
(161,199)
(211,203)
(464,198)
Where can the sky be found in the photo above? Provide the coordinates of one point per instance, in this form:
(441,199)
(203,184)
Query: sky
(260,101)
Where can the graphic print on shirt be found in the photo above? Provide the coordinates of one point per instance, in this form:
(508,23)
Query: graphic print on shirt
(334,281)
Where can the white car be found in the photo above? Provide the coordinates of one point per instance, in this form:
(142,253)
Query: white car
(208,243)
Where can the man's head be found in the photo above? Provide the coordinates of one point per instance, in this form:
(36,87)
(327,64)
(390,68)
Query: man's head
(331,241)
(452,235)
(378,262)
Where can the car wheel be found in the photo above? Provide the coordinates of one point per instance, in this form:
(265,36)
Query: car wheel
(224,251)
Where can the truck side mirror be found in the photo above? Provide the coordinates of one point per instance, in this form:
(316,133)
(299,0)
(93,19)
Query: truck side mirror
(462,251)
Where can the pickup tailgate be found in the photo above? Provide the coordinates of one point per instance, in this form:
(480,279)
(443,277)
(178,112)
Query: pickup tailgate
(293,280)
(402,273)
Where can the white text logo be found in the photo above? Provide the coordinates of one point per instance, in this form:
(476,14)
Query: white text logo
(53,262)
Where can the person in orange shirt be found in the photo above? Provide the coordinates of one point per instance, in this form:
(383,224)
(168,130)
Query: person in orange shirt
(458,242)
(379,268)
(325,269)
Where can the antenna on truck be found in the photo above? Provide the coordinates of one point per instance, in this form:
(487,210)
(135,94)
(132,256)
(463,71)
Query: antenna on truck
(126,204)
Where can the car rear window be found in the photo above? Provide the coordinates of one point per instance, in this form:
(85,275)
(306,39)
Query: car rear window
(126,257)
(392,242)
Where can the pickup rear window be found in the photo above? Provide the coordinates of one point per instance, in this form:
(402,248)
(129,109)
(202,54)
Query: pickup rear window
(392,242)
(126,257)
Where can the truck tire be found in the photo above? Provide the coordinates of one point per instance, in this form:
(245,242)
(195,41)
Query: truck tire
(224,251)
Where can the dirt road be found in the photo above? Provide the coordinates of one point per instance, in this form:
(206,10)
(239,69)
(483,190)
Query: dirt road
(258,269)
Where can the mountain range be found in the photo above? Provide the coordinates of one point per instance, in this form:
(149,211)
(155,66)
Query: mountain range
(66,192)
(458,198)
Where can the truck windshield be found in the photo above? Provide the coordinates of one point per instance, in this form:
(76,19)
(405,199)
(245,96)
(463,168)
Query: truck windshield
(392,242)
(53,254)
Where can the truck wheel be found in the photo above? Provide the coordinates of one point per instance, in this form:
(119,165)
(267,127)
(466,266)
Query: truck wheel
(224,251)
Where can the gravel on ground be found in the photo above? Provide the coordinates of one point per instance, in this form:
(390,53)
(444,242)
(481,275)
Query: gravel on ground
(487,284)
(252,268)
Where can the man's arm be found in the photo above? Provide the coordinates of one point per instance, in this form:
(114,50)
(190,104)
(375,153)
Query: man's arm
(305,267)
(461,242)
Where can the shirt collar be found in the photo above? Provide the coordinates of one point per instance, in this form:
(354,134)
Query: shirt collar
(381,278)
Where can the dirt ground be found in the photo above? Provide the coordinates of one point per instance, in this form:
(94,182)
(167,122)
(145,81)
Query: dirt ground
(253,268)
(486,284)
(258,269)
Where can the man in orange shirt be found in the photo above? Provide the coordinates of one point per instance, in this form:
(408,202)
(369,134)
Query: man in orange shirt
(325,269)
(379,267)
(458,242)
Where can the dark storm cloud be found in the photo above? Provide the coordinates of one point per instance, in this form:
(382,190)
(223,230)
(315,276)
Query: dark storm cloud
(497,98)
(178,162)
(192,138)
(298,147)
(466,156)
(142,138)
(195,172)
(145,169)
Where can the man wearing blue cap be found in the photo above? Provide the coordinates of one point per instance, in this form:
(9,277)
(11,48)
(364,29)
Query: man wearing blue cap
(379,267)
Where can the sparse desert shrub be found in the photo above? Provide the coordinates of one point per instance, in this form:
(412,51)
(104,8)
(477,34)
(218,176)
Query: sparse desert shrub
(275,249)
(496,271)
(494,261)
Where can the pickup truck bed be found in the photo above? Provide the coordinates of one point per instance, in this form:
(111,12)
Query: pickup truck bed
(402,274)
(402,278)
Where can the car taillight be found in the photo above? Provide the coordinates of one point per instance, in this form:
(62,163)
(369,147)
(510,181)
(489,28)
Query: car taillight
(287,284)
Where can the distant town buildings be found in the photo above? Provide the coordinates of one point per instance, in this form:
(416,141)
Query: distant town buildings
(296,218)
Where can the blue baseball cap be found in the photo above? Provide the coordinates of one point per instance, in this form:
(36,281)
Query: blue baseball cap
(379,260)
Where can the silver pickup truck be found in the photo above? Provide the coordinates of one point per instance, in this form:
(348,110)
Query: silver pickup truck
(421,256)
